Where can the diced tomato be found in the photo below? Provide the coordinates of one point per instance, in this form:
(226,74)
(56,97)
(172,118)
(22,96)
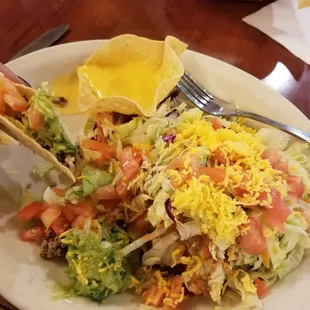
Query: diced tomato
(12,96)
(34,234)
(272,156)
(296,185)
(277,213)
(84,208)
(105,192)
(282,165)
(219,157)
(58,191)
(36,119)
(269,220)
(239,191)
(78,221)
(60,225)
(176,164)
(154,296)
(30,211)
(176,288)
(68,212)
(253,241)
(216,124)
(130,161)
(106,151)
(261,288)
(38,215)
(276,161)
(50,215)
(110,203)
(216,174)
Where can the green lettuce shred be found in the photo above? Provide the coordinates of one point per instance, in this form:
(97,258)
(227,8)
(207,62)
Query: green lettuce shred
(53,134)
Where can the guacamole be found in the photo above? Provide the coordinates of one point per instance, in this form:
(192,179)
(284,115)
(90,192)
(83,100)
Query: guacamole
(96,267)
(52,137)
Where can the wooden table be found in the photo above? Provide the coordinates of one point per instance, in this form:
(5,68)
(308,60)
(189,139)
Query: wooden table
(213,27)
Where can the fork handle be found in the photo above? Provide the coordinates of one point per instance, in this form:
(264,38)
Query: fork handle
(288,129)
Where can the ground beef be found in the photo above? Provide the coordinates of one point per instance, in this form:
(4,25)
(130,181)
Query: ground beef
(52,247)
(61,157)
(61,101)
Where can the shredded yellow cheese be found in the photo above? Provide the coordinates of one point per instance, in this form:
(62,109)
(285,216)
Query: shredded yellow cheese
(242,151)
(193,266)
(219,214)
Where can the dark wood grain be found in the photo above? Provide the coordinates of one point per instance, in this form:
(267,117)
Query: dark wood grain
(213,27)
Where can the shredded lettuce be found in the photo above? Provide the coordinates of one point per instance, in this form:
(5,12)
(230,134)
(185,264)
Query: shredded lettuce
(291,262)
(148,132)
(298,155)
(93,178)
(88,129)
(273,138)
(238,258)
(280,246)
(157,211)
(53,134)
(188,229)
(141,241)
(300,152)
(75,193)
(126,129)
(50,197)
(42,170)
(156,253)
(216,281)
(154,185)
(241,283)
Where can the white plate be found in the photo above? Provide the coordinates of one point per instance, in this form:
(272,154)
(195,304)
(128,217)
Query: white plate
(27,281)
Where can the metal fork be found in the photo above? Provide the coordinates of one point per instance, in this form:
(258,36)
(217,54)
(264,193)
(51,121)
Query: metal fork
(213,105)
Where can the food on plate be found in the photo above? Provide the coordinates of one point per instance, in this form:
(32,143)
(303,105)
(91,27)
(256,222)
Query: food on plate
(27,115)
(128,74)
(176,205)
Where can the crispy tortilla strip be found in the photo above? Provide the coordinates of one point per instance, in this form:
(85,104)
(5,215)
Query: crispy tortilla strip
(162,57)
(10,129)
(303,4)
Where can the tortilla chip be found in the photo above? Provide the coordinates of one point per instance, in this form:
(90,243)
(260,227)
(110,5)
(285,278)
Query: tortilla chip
(5,139)
(18,134)
(159,56)
(303,4)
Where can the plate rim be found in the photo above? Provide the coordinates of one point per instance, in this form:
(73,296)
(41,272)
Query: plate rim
(13,63)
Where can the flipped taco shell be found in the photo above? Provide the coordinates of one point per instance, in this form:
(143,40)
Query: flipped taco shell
(18,134)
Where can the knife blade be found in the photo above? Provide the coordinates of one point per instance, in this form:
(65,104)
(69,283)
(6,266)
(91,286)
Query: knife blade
(45,40)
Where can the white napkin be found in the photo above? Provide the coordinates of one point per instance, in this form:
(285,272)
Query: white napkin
(286,24)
